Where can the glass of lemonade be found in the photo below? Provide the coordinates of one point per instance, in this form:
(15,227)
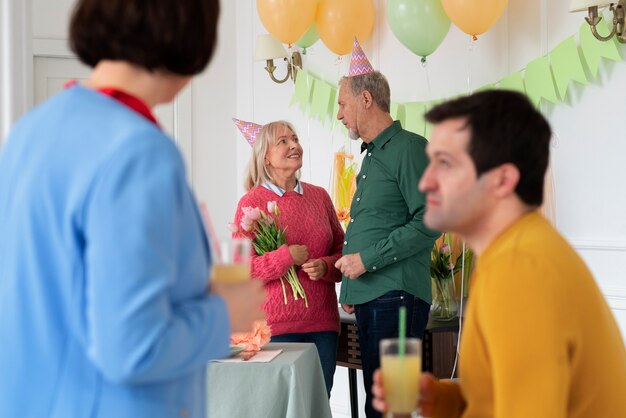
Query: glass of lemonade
(401,375)
(232,263)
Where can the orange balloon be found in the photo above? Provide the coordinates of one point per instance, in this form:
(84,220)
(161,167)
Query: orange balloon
(474,17)
(287,20)
(340,21)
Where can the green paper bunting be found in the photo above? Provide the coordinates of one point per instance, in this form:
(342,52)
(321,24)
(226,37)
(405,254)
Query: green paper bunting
(302,90)
(485,87)
(414,117)
(321,100)
(428,127)
(566,66)
(541,79)
(397,112)
(594,50)
(329,108)
(393,110)
(335,107)
(513,82)
(538,81)
(428,131)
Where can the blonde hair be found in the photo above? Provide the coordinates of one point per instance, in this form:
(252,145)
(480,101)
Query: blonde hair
(257,173)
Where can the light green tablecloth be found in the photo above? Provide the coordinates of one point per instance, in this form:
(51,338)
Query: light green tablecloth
(291,386)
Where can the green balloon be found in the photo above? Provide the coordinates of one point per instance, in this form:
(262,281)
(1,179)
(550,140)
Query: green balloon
(420,25)
(309,38)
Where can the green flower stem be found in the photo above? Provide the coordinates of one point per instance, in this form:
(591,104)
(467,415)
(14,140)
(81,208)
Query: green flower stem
(282,283)
(444,298)
(268,235)
(296,286)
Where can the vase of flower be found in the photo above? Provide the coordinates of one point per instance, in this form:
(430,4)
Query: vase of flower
(444,264)
(445,306)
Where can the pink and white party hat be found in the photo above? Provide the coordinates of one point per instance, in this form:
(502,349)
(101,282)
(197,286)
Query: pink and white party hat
(359,64)
(249,129)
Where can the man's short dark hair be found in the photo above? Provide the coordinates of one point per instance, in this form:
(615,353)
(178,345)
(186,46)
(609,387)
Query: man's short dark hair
(504,128)
(177,36)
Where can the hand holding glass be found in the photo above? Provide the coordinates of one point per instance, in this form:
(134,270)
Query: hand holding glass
(401,369)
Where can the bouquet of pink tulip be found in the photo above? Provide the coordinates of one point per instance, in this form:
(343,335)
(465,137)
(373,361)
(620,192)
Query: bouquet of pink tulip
(267,234)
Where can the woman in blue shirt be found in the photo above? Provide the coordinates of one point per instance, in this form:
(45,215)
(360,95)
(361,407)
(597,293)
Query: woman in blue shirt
(104,308)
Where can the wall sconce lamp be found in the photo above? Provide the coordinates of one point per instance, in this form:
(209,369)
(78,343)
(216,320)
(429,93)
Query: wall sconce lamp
(593,19)
(268,48)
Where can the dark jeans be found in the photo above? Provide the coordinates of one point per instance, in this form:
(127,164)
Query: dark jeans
(326,344)
(377,320)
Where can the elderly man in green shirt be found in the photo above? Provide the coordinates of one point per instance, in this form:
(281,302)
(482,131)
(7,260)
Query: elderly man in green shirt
(386,253)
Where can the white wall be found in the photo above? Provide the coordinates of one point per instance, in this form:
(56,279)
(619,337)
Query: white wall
(214,145)
(211,148)
(589,141)
(589,128)
(15,56)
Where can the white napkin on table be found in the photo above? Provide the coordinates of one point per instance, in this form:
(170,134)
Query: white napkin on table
(263,356)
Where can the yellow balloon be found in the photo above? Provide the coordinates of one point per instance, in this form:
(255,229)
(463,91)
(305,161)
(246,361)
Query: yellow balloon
(474,17)
(340,21)
(287,20)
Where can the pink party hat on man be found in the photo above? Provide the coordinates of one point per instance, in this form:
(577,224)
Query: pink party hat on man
(249,129)
(359,64)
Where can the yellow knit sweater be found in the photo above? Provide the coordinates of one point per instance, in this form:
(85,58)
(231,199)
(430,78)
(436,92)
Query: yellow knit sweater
(539,340)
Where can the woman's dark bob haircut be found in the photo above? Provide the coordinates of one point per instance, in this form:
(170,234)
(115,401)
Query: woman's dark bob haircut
(177,36)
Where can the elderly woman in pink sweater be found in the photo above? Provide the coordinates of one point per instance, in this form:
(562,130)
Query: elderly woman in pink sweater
(314,242)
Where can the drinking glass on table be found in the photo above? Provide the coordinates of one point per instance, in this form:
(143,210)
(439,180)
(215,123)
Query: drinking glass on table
(232,261)
(401,366)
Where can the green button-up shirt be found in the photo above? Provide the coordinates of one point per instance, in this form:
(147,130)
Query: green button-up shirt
(386,225)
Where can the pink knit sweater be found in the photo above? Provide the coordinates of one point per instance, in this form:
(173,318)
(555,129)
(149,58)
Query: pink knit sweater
(310,220)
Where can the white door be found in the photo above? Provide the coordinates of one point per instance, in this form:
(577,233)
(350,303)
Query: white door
(52,73)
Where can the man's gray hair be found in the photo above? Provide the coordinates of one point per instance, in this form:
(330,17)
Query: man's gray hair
(375,83)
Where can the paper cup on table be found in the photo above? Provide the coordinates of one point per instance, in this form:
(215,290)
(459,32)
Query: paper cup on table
(232,261)
(401,365)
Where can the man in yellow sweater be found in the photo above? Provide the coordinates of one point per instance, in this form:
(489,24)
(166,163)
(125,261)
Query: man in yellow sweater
(539,340)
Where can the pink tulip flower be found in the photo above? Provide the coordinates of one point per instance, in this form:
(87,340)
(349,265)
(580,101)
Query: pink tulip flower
(247,224)
(251,213)
(232,227)
(271,206)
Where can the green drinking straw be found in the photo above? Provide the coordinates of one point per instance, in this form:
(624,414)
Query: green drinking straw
(402,330)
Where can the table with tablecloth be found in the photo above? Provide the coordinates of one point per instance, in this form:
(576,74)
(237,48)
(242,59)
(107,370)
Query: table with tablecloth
(291,386)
